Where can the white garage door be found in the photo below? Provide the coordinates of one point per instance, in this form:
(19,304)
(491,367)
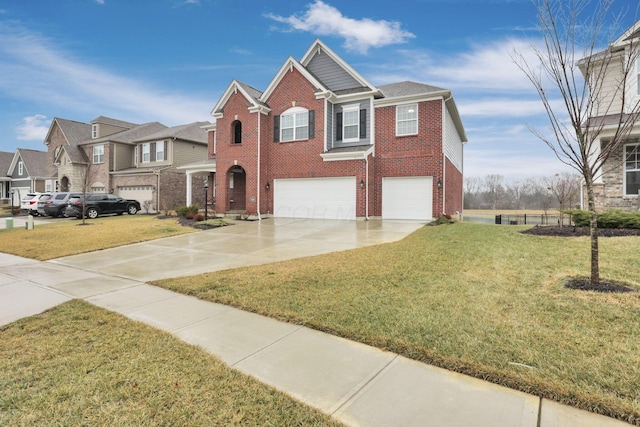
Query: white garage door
(407,198)
(320,198)
(141,193)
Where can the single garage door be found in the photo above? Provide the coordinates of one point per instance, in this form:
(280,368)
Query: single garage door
(407,198)
(319,198)
(141,193)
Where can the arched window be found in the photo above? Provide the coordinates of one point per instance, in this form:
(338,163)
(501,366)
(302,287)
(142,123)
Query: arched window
(236,129)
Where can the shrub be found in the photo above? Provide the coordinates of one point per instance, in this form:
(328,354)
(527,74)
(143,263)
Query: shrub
(443,219)
(609,219)
(187,211)
(199,217)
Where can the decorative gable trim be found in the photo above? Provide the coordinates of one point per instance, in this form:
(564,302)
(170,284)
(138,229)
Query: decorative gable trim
(232,89)
(289,65)
(319,46)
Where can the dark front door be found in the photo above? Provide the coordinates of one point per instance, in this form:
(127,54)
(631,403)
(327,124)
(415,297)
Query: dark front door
(237,191)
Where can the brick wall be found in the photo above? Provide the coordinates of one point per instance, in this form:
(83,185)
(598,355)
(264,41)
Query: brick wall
(454,189)
(610,195)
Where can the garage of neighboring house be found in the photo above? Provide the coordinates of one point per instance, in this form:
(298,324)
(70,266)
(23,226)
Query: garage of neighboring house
(141,193)
(407,198)
(318,198)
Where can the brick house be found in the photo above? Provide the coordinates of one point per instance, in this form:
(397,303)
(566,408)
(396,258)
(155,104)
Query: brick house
(322,142)
(134,161)
(618,186)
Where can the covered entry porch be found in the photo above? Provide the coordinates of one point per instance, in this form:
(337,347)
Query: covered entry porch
(204,173)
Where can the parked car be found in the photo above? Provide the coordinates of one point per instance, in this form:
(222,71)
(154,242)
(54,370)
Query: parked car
(100,204)
(29,203)
(41,202)
(55,205)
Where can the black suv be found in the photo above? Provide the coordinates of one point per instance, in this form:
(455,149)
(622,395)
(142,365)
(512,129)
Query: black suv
(55,205)
(101,204)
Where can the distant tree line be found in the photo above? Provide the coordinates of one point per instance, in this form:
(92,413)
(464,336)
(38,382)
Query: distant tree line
(560,191)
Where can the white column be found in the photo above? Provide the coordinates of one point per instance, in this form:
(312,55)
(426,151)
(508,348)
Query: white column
(189,188)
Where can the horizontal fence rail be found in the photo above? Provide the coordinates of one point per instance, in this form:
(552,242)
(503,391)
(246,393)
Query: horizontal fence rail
(520,219)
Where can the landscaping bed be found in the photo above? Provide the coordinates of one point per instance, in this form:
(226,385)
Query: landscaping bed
(571,231)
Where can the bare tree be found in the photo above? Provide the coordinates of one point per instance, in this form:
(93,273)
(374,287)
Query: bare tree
(594,102)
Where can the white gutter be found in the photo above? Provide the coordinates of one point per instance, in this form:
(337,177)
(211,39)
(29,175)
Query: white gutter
(366,199)
(444,156)
(258,169)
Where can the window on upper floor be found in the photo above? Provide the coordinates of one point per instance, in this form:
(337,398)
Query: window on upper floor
(631,169)
(146,152)
(94,131)
(407,119)
(98,154)
(20,167)
(160,151)
(351,124)
(295,124)
(236,130)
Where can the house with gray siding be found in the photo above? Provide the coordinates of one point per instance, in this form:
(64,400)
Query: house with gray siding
(28,172)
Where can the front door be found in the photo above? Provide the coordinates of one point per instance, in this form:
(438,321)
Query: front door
(237,189)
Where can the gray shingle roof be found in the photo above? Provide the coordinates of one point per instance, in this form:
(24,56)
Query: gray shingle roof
(407,88)
(130,135)
(114,122)
(190,132)
(5,162)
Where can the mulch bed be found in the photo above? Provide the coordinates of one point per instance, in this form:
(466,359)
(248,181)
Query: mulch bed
(201,225)
(584,284)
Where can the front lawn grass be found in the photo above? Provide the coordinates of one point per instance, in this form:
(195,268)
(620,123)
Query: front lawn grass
(81,365)
(483,300)
(69,237)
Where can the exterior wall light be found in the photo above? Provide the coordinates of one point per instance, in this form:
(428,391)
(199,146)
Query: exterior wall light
(361,184)
(439,184)
(267,186)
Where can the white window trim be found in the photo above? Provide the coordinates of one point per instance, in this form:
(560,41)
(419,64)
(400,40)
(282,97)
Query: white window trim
(625,170)
(98,157)
(94,131)
(160,149)
(398,121)
(146,152)
(350,109)
(293,111)
(20,167)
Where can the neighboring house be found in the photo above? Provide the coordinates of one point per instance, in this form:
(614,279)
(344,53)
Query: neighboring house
(135,161)
(28,172)
(322,142)
(619,184)
(5,180)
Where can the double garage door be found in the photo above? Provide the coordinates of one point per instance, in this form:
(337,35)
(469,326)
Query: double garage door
(407,198)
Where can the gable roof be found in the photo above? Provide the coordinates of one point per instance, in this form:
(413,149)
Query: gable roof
(192,132)
(74,133)
(288,66)
(251,94)
(129,135)
(407,88)
(113,122)
(35,163)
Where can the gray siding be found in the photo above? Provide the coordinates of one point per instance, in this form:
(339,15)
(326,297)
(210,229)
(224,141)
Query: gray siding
(329,132)
(187,152)
(364,105)
(330,73)
(123,156)
(106,130)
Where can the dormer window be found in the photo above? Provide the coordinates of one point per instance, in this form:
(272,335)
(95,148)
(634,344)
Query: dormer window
(94,131)
(294,124)
(236,129)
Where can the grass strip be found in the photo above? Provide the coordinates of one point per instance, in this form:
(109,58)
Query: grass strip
(69,237)
(81,365)
(483,300)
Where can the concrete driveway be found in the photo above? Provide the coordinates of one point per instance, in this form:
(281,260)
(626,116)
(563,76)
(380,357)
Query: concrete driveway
(239,245)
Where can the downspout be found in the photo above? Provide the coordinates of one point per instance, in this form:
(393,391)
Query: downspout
(258,170)
(444,156)
(366,198)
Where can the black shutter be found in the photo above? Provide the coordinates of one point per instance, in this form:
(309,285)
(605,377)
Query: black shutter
(339,127)
(312,126)
(276,129)
(152,153)
(363,124)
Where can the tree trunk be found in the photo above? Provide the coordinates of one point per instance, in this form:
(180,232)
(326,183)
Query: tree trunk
(593,232)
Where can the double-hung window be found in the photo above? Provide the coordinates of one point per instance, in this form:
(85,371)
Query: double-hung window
(146,152)
(294,124)
(631,169)
(98,154)
(351,123)
(160,151)
(407,119)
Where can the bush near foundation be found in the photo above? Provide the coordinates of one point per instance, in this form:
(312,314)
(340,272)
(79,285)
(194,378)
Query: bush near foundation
(609,219)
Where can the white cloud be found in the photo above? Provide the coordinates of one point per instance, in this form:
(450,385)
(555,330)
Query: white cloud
(33,68)
(360,35)
(33,128)
(100,1)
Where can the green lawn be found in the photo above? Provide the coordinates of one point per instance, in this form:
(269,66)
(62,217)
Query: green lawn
(79,365)
(478,299)
(64,237)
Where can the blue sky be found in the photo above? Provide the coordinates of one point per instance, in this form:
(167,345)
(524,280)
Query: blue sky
(170,61)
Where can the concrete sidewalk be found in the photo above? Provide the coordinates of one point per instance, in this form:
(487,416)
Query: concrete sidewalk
(357,384)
